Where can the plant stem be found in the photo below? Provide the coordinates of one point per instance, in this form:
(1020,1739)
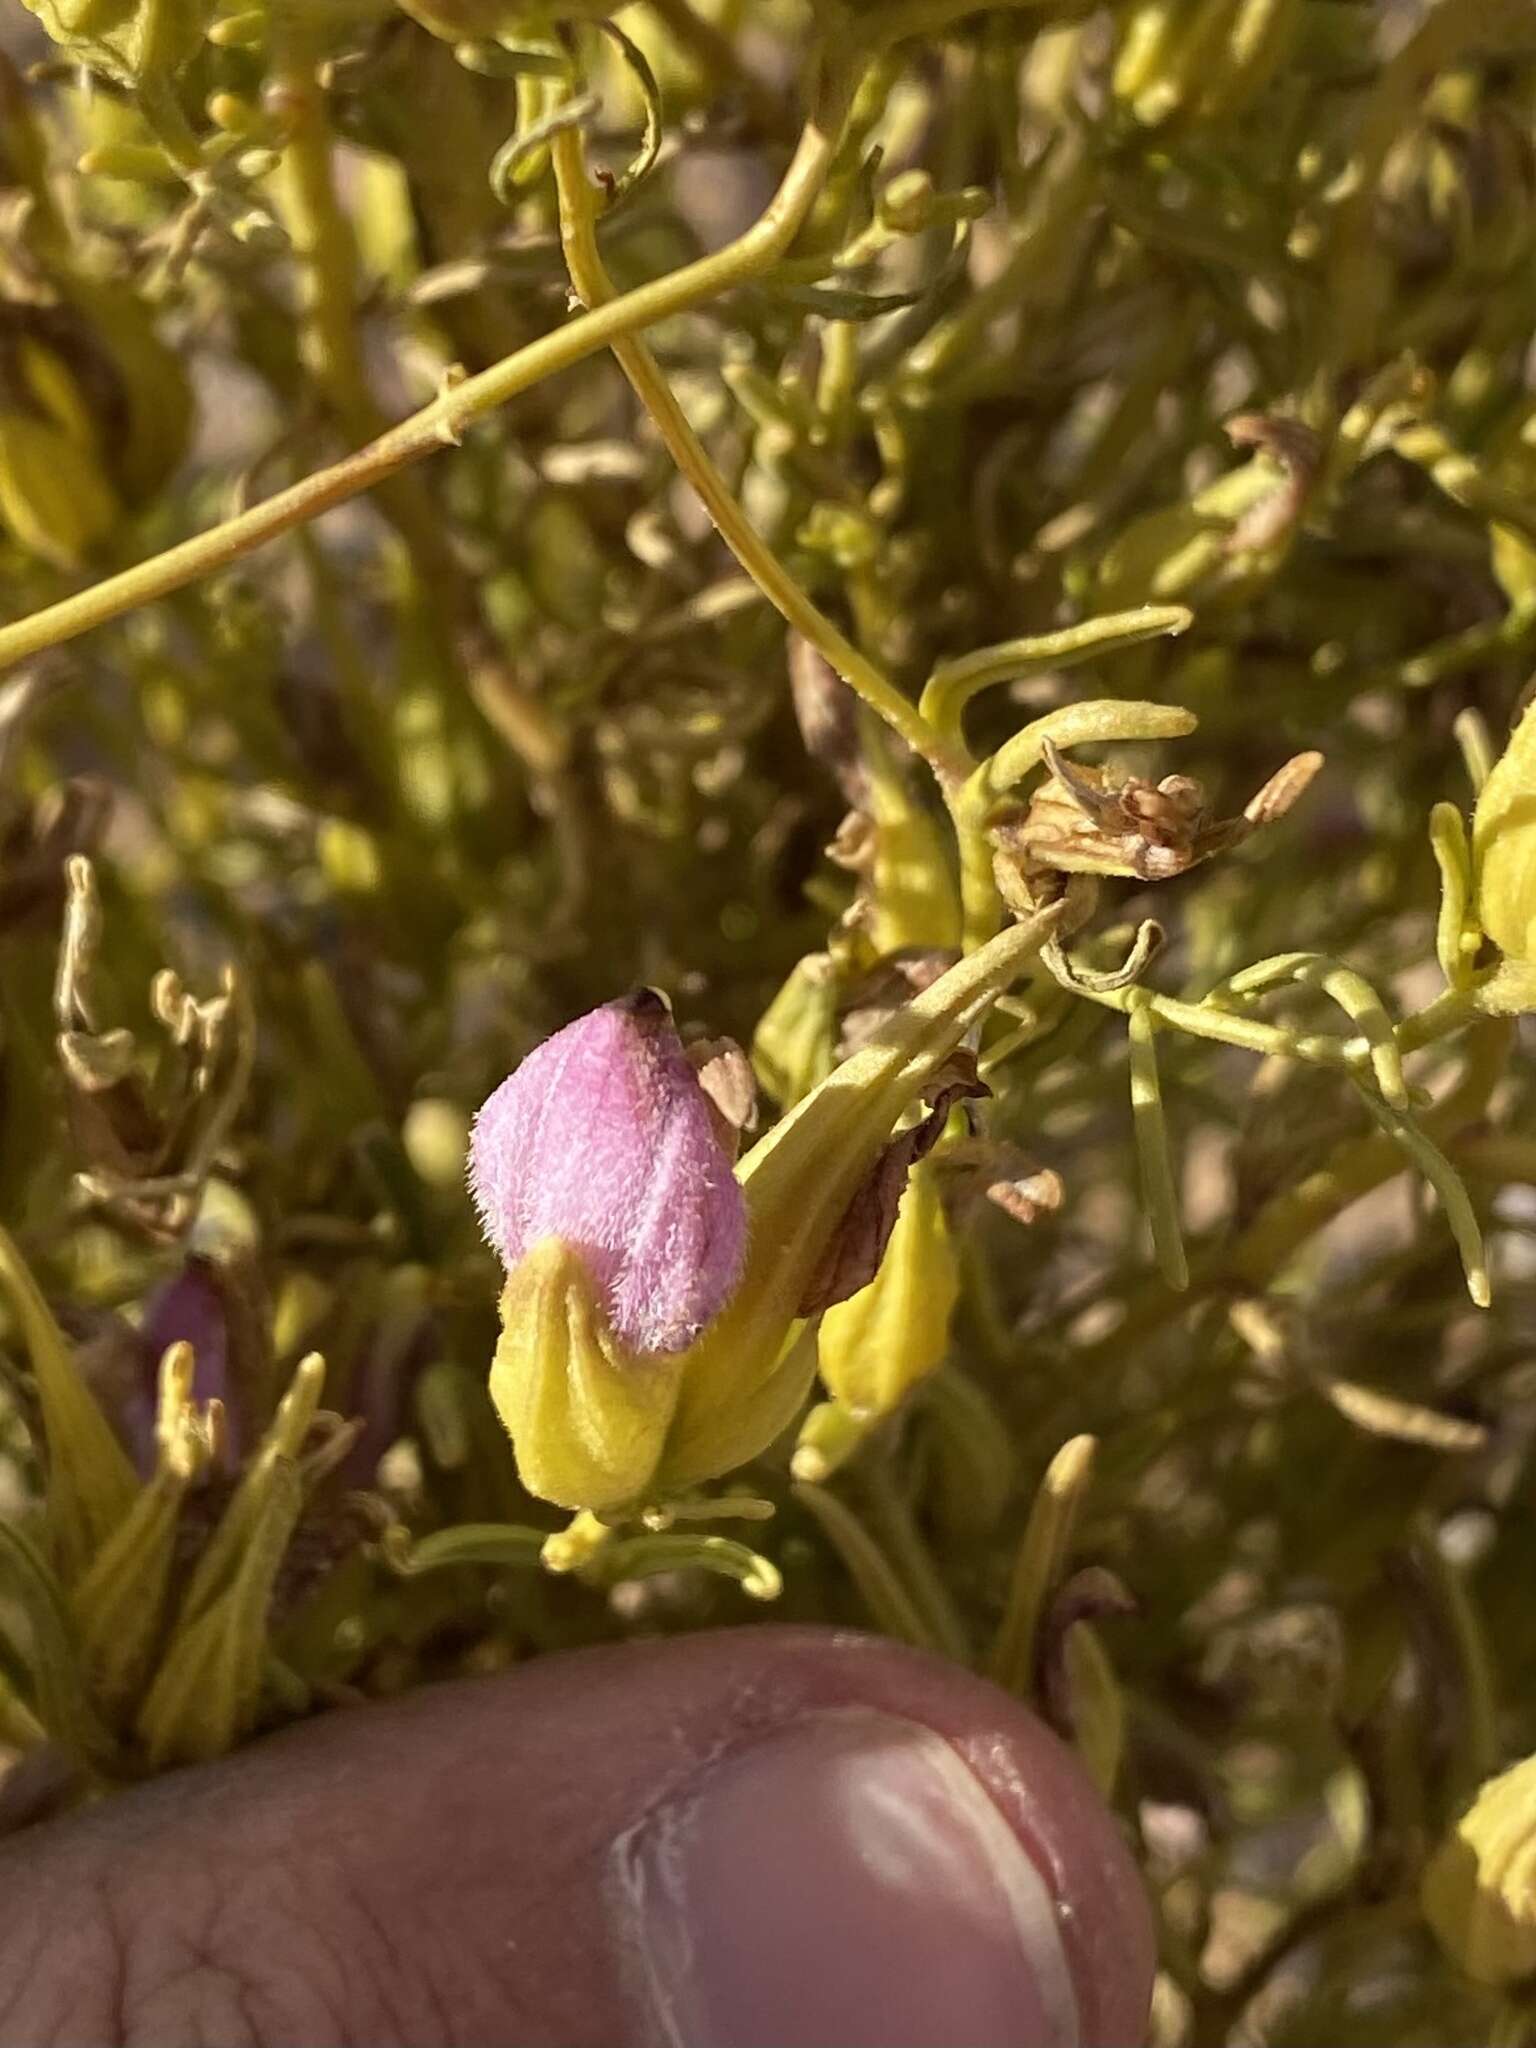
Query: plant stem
(1284,1224)
(895,1527)
(1159,1180)
(323,240)
(879,1584)
(1450,1011)
(441,423)
(1250,1034)
(578,237)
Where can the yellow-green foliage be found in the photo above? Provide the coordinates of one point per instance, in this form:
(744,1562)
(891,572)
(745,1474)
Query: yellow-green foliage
(1100,410)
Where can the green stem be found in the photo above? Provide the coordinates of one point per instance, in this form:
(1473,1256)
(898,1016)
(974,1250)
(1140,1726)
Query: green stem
(578,215)
(1159,1183)
(1447,1184)
(323,240)
(1093,722)
(890,1604)
(441,423)
(321,233)
(1476,1749)
(954,683)
(1249,1034)
(895,1526)
(1354,996)
(1449,1012)
(1280,1229)
(981,907)
(1284,1225)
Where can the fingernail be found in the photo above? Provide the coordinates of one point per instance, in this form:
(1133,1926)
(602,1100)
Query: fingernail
(845,1882)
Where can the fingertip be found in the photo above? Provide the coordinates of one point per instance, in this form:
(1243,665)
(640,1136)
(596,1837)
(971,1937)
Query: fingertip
(785,1838)
(759,1838)
(876,1847)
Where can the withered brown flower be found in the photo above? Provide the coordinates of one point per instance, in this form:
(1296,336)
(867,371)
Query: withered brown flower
(1083,821)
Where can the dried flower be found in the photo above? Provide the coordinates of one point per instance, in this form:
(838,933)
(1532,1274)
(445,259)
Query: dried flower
(1084,822)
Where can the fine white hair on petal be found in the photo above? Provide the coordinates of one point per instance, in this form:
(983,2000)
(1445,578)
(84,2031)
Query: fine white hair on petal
(604,1138)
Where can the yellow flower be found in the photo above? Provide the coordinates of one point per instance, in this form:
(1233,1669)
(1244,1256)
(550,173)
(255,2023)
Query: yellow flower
(1479,1891)
(876,1346)
(636,1359)
(1504,864)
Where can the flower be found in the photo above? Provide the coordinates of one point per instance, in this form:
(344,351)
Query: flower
(603,1184)
(1504,862)
(604,1139)
(1081,821)
(1479,1890)
(603,1180)
(873,1348)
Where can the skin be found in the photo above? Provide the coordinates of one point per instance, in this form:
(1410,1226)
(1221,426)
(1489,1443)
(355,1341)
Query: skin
(437,1869)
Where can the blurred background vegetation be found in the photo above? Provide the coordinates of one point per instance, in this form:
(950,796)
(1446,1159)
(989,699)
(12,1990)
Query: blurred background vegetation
(1224,304)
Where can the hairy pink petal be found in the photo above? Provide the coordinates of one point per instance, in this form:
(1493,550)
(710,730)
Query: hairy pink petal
(604,1138)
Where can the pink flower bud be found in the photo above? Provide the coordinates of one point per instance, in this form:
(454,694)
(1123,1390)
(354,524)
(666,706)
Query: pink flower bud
(604,1139)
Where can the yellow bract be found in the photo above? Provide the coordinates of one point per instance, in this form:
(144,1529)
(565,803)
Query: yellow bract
(1479,1891)
(587,1418)
(915,901)
(874,1348)
(1504,863)
(792,1048)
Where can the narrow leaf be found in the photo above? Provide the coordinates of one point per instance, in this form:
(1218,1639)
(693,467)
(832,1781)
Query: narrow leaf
(1042,1557)
(1159,1189)
(208,1689)
(91,1481)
